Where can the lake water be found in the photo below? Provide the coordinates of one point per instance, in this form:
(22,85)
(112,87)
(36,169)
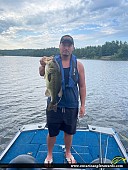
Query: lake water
(22,99)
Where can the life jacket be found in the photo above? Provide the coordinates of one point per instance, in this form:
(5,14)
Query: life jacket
(73,73)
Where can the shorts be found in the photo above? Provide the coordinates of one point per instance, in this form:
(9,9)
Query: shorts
(64,119)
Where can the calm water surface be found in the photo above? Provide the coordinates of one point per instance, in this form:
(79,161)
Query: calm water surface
(22,99)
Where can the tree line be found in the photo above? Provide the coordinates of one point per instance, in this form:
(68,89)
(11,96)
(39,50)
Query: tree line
(115,50)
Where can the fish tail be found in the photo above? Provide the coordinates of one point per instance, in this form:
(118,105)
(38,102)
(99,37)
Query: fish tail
(52,106)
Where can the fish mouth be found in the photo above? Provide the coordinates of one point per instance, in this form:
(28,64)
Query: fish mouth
(48,59)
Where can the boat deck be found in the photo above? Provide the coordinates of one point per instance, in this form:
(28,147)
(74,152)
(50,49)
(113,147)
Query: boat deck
(88,145)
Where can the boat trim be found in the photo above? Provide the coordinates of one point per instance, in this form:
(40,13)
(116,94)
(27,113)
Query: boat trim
(33,127)
(10,144)
(121,146)
(107,130)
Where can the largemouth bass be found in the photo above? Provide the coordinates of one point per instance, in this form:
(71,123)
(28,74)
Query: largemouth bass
(53,82)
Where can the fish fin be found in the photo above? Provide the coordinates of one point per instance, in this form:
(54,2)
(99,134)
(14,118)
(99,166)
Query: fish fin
(60,93)
(47,93)
(52,106)
(49,77)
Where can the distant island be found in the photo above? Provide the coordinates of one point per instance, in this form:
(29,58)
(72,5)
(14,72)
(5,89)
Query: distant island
(114,50)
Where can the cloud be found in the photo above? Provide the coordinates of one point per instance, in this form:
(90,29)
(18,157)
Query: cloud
(40,24)
(100,5)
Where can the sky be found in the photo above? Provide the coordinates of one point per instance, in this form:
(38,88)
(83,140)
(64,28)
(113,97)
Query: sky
(38,24)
